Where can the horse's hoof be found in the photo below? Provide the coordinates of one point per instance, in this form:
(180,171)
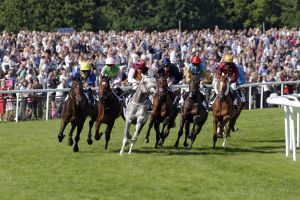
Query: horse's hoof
(234,129)
(60,138)
(133,139)
(161,144)
(75,149)
(70,142)
(175,146)
(98,136)
(185,145)
(146,140)
(90,141)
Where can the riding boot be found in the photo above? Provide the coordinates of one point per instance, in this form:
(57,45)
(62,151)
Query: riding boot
(90,95)
(212,99)
(148,104)
(234,100)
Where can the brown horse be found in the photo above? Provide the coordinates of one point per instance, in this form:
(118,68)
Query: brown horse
(162,112)
(74,111)
(223,110)
(109,109)
(192,112)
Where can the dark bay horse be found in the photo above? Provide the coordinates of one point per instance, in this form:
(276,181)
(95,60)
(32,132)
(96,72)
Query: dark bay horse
(223,110)
(75,111)
(109,109)
(192,112)
(162,112)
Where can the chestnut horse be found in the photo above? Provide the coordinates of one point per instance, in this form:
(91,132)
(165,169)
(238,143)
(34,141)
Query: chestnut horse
(162,112)
(223,110)
(192,112)
(75,111)
(109,109)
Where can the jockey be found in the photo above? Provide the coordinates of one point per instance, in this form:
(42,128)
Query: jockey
(135,73)
(84,72)
(196,68)
(230,68)
(241,80)
(171,72)
(113,71)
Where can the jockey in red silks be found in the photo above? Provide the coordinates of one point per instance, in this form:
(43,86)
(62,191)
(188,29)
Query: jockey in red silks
(135,73)
(229,67)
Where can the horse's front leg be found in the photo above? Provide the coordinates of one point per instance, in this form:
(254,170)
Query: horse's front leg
(70,140)
(227,132)
(187,132)
(77,138)
(149,129)
(62,129)
(97,128)
(163,136)
(126,136)
(215,127)
(139,125)
(180,132)
(107,133)
(89,139)
(156,127)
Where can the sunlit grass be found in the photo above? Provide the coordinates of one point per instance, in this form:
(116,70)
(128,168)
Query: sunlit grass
(33,165)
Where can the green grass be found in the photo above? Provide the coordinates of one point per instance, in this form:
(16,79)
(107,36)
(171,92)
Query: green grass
(33,165)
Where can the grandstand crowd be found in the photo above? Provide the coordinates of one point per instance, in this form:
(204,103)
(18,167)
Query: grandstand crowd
(40,60)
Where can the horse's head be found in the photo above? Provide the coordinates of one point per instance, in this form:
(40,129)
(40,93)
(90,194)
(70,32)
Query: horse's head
(162,86)
(194,86)
(222,86)
(76,91)
(147,85)
(104,88)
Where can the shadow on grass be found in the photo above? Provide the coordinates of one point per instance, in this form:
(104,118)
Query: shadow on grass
(228,151)
(267,141)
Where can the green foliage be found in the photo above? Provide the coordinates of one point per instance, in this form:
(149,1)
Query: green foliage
(149,15)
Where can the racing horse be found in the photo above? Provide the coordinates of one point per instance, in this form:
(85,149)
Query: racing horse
(192,112)
(109,109)
(223,112)
(75,110)
(137,110)
(163,111)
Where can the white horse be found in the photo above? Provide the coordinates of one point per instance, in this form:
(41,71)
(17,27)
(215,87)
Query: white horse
(137,110)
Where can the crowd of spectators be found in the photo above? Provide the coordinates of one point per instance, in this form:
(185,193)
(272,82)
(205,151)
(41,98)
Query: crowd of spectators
(37,60)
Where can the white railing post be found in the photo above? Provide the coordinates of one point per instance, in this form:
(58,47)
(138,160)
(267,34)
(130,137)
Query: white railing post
(292,134)
(17,107)
(261,96)
(286,131)
(281,89)
(47,106)
(250,97)
(298,124)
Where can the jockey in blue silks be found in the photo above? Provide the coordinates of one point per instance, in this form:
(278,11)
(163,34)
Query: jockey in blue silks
(85,73)
(241,81)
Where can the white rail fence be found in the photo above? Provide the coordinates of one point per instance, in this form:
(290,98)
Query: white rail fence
(182,87)
(291,106)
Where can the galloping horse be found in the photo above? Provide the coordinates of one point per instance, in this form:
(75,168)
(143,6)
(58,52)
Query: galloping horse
(192,112)
(75,111)
(136,111)
(109,109)
(162,112)
(223,110)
